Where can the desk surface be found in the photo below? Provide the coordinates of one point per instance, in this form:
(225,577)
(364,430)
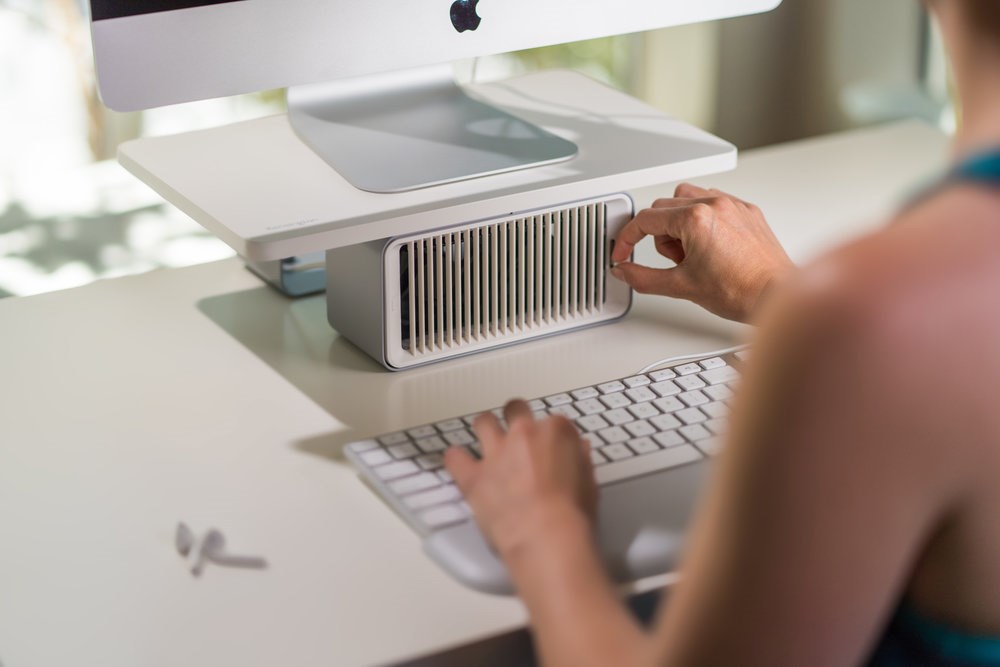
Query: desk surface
(200,395)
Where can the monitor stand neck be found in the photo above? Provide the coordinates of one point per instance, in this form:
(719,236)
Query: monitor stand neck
(414,129)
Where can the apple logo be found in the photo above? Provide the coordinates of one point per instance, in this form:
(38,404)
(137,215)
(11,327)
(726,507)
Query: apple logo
(464,16)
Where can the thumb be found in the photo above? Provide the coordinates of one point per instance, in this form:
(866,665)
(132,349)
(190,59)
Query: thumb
(647,280)
(462,467)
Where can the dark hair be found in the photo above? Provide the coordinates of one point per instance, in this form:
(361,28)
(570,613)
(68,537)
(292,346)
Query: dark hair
(984,13)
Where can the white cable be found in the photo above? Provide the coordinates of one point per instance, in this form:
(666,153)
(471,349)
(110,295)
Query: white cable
(685,357)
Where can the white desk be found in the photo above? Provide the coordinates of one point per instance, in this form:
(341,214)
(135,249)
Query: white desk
(200,395)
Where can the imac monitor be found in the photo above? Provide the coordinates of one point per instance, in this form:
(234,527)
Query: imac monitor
(370,83)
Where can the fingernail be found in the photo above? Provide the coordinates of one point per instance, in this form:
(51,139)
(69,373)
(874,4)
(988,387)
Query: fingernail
(617,273)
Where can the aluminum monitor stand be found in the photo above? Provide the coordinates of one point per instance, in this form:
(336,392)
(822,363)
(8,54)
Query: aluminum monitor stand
(414,129)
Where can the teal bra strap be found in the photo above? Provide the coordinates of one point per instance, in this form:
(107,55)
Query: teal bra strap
(980,168)
(954,645)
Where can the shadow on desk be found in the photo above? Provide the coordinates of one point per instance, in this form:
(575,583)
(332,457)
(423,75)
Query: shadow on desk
(516,649)
(293,338)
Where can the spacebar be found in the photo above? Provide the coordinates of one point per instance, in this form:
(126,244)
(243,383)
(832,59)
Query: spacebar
(647,463)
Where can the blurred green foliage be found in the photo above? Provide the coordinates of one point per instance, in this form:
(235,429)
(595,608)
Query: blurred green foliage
(609,59)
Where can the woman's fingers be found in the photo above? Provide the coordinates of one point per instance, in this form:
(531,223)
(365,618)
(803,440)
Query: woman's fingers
(690,190)
(672,249)
(489,432)
(672,222)
(516,409)
(647,280)
(462,467)
(684,194)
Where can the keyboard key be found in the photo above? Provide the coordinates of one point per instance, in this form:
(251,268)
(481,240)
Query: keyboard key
(694,432)
(616,400)
(457,438)
(687,369)
(404,451)
(593,440)
(430,461)
(558,399)
(691,415)
(643,445)
(610,387)
(585,393)
(690,382)
(443,494)
(743,355)
(669,439)
(362,446)
(643,410)
(539,415)
(597,458)
(614,435)
(639,428)
(668,404)
(443,515)
(661,375)
(590,406)
(718,392)
(376,457)
(712,362)
(450,425)
(617,452)
(592,423)
(666,422)
(422,432)
(640,394)
(618,417)
(470,419)
(431,444)
(636,381)
(666,388)
(395,470)
(693,398)
(421,482)
(537,405)
(567,411)
(444,476)
(394,439)
(640,465)
(716,410)
(720,375)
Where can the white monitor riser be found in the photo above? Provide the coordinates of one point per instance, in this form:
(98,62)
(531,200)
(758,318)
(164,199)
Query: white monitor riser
(261,190)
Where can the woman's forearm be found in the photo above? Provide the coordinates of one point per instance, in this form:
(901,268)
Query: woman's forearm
(578,618)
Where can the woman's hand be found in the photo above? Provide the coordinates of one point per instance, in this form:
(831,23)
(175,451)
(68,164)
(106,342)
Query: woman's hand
(533,479)
(535,498)
(726,254)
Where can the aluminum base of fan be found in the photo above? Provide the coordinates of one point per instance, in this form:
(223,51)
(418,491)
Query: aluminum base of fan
(417,299)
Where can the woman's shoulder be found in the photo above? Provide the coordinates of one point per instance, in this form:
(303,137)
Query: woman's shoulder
(877,333)
(937,259)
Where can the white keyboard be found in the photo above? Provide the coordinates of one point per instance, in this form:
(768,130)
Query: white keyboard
(636,425)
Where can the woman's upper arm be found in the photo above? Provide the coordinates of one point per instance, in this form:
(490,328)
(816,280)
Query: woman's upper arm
(821,498)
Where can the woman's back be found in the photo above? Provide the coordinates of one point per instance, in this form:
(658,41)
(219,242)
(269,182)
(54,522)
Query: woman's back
(942,272)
